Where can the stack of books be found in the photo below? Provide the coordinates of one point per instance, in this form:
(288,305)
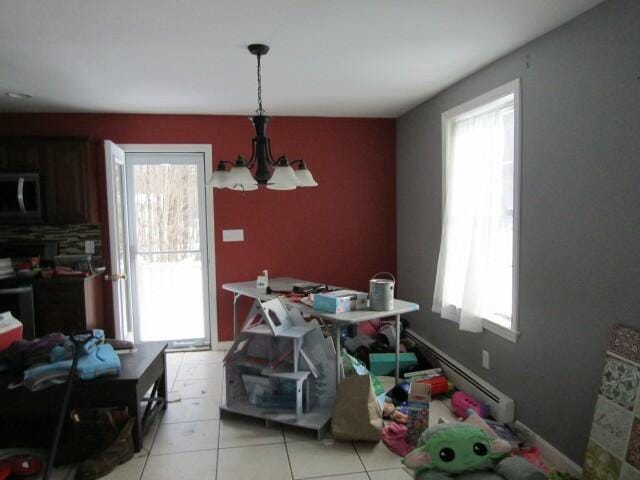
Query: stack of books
(6,268)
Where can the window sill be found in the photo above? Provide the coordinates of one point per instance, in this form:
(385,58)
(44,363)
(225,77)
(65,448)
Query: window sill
(506,333)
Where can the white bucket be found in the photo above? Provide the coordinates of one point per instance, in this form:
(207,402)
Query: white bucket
(381,292)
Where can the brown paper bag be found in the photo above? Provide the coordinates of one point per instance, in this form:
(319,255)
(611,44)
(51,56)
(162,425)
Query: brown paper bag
(357,415)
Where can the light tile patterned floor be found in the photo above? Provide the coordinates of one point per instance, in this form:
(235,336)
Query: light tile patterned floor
(192,442)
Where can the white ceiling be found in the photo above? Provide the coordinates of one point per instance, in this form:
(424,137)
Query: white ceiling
(373,58)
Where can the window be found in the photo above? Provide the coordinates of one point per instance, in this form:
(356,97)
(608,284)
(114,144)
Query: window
(476,281)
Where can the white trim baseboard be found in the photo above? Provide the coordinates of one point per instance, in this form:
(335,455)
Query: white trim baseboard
(552,457)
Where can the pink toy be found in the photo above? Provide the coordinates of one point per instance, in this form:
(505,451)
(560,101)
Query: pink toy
(370,328)
(461,402)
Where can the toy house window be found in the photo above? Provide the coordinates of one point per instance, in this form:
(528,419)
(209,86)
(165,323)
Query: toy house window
(274,318)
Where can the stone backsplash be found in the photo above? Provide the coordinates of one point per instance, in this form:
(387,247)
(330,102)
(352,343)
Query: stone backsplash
(70,238)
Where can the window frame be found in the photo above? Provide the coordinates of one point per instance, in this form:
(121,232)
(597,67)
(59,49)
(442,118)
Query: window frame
(466,108)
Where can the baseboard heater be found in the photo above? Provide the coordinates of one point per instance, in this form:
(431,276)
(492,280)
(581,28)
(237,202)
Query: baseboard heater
(502,407)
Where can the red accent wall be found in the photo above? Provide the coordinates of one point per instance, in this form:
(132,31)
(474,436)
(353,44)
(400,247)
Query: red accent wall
(341,232)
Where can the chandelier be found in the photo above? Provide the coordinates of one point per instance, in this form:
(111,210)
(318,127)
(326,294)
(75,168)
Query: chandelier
(274,174)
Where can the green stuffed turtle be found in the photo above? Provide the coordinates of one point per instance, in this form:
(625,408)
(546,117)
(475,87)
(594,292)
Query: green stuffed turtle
(463,451)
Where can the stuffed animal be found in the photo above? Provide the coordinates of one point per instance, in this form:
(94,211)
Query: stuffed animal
(466,452)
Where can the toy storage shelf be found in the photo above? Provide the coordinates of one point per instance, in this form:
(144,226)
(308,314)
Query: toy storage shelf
(316,420)
(286,375)
(276,347)
(293,332)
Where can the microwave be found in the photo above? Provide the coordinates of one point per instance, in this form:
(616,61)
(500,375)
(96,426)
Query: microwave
(20,200)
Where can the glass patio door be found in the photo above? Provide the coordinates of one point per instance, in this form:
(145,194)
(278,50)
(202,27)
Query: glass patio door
(168,247)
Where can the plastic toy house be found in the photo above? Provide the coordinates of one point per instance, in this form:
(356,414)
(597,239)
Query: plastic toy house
(281,369)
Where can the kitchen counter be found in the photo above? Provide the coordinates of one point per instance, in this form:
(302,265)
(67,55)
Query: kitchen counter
(70,278)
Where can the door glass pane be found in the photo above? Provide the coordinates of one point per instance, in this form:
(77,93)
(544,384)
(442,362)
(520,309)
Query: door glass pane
(169,292)
(166,201)
(170,272)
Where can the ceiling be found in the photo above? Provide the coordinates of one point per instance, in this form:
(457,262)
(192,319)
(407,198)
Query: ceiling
(373,58)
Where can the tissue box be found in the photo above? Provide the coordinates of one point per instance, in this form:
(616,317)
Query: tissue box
(417,411)
(10,330)
(339,301)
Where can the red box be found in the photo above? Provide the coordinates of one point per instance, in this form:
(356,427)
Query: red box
(10,330)
(438,384)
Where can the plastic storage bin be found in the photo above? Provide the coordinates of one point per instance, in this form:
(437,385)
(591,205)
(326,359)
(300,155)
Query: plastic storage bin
(385,363)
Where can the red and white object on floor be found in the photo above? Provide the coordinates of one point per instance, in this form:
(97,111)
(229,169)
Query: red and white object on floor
(20,466)
(10,330)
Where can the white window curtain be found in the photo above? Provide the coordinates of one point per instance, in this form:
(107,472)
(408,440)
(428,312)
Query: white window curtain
(475,264)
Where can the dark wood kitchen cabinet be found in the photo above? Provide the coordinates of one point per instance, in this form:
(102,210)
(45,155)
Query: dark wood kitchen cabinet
(68,170)
(68,304)
(68,174)
(19,156)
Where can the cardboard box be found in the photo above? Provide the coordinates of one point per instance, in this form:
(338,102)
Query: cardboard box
(339,301)
(418,411)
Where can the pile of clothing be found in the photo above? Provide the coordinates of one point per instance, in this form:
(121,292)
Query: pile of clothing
(46,361)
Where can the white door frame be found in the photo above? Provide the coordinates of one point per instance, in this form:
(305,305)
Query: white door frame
(114,153)
(206,150)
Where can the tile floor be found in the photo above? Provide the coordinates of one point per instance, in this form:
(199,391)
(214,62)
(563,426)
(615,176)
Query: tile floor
(191,442)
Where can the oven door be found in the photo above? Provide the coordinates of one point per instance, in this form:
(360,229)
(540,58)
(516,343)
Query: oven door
(20,198)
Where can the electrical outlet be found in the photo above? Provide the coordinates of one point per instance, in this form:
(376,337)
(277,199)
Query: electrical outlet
(89,247)
(485,359)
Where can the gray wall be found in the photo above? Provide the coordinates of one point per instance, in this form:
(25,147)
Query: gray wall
(580,217)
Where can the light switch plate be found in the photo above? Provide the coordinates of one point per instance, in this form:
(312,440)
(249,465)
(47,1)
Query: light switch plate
(485,359)
(89,247)
(236,235)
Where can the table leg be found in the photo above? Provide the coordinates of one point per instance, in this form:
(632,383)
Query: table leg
(336,339)
(397,349)
(133,408)
(162,388)
(299,399)
(296,353)
(235,315)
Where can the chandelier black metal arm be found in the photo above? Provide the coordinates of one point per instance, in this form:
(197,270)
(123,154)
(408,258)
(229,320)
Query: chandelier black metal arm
(272,161)
(268,154)
(222,163)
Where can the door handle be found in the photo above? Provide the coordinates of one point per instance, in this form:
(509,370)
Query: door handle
(21,195)
(115,277)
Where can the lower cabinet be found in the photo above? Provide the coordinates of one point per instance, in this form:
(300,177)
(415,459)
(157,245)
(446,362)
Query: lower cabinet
(68,304)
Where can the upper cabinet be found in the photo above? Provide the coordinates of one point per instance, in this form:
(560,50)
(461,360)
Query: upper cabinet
(70,185)
(19,156)
(67,169)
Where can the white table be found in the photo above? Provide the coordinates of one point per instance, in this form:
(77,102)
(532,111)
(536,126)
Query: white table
(338,320)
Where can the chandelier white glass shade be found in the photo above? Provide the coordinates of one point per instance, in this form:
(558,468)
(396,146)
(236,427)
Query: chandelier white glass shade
(274,174)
